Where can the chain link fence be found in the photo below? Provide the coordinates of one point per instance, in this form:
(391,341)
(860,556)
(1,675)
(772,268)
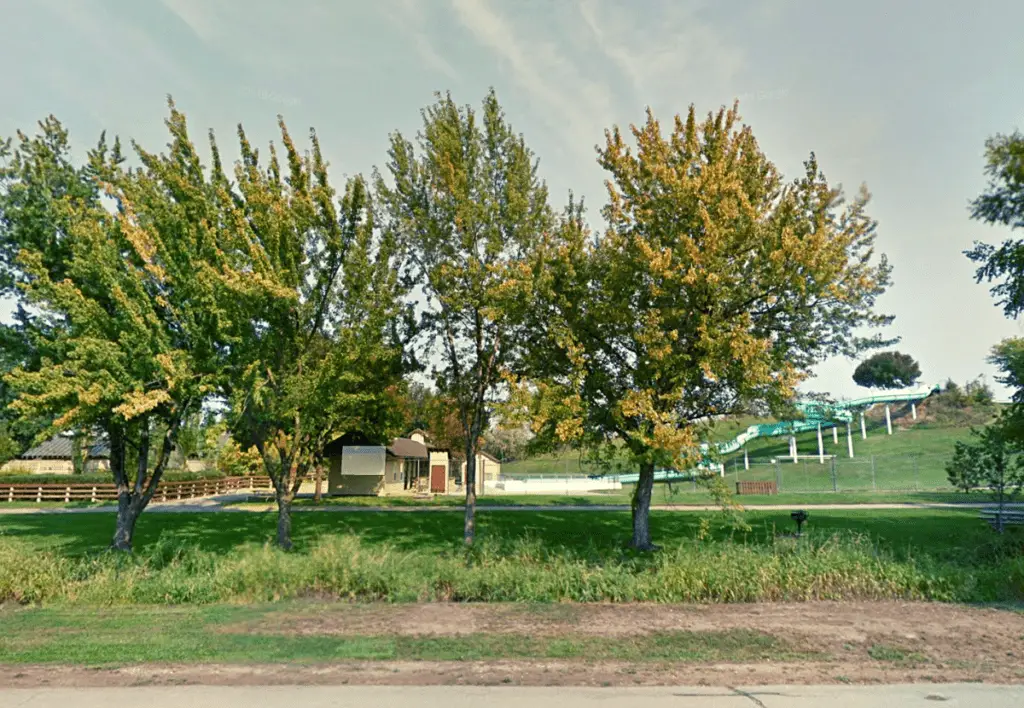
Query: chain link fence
(898,473)
(910,472)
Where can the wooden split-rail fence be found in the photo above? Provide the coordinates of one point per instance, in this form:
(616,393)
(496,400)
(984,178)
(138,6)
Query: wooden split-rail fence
(165,491)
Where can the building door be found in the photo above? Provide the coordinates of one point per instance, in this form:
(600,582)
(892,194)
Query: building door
(437,480)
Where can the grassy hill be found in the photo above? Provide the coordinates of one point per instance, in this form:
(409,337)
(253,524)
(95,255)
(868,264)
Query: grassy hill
(912,458)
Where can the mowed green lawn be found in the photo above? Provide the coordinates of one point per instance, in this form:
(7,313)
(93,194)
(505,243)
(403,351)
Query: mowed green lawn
(938,532)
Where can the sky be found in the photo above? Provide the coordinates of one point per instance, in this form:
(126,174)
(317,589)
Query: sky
(897,94)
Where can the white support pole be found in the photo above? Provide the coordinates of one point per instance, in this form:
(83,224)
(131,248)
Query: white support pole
(863,430)
(888,420)
(796,456)
(746,459)
(849,440)
(821,447)
(913,410)
(835,434)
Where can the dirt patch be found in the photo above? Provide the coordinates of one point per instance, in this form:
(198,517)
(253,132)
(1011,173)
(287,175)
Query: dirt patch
(830,621)
(516,673)
(889,642)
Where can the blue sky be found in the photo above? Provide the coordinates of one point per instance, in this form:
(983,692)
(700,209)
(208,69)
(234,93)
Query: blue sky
(899,94)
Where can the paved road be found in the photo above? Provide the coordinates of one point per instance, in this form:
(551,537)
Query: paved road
(219,504)
(914,696)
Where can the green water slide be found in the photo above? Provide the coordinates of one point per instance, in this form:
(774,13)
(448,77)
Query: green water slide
(814,413)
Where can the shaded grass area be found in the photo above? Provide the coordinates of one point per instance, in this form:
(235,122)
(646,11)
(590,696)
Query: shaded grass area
(457,501)
(200,634)
(669,495)
(78,535)
(544,556)
(674,495)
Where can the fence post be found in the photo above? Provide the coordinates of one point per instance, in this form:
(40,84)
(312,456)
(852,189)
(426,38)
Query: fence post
(778,475)
(917,473)
(835,480)
(39,495)
(67,494)
(874,487)
(93,497)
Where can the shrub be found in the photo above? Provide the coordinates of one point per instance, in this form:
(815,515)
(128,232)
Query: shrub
(973,404)
(842,566)
(234,462)
(9,448)
(979,393)
(24,477)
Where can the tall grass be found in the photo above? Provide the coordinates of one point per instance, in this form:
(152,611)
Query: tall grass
(840,566)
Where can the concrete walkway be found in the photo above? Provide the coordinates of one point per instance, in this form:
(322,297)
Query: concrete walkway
(908,696)
(224,504)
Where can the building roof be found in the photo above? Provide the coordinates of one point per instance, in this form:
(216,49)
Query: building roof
(404,447)
(59,447)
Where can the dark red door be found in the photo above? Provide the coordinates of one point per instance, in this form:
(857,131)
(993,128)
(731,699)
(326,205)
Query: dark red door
(437,479)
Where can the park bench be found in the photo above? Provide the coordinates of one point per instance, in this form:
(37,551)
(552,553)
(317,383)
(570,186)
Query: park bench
(760,487)
(1010,517)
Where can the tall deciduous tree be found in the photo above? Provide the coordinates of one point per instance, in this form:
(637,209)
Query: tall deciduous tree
(469,209)
(887,370)
(37,175)
(317,348)
(714,286)
(1002,202)
(128,297)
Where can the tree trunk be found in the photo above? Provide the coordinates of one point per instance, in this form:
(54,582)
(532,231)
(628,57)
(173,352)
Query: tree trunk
(469,532)
(318,494)
(1001,509)
(642,509)
(133,499)
(124,528)
(77,458)
(284,520)
(128,512)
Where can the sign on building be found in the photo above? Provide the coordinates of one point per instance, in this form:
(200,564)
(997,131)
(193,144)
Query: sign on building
(365,460)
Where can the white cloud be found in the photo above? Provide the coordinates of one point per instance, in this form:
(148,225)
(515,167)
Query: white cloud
(668,49)
(568,101)
(194,13)
(407,15)
(129,48)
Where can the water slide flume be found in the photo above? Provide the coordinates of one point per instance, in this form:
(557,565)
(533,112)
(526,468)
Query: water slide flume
(815,414)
